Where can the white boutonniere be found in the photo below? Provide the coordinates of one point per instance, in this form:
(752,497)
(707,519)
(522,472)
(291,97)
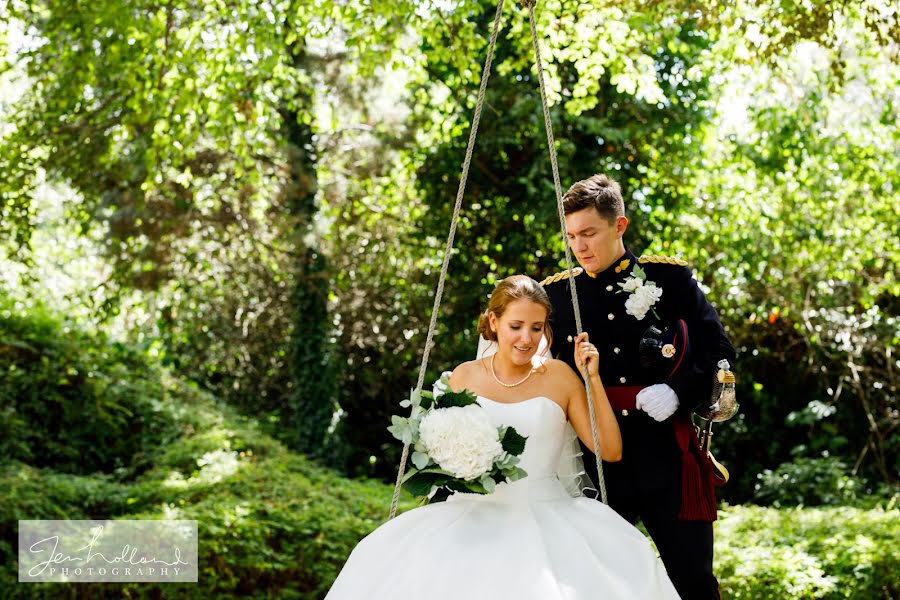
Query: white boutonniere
(642,294)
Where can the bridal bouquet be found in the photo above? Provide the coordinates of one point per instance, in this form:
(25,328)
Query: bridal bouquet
(455,446)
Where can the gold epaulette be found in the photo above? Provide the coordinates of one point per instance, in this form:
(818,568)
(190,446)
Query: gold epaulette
(662,260)
(562,275)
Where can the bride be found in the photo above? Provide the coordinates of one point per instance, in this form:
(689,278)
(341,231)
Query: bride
(529,539)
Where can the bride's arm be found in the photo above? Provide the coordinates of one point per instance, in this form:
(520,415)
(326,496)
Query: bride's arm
(577,412)
(607,427)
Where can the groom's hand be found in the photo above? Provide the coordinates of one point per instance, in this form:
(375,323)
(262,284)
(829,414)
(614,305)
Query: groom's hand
(659,401)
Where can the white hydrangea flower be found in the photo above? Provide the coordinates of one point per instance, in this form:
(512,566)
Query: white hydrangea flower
(461,440)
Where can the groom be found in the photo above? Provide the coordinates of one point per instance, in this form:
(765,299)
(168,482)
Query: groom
(663,479)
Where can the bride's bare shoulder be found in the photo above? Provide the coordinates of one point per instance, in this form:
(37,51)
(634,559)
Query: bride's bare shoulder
(560,370)
(464,374)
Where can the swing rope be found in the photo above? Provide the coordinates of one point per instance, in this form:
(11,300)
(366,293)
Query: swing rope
(551,144)
(448,249)
(429,343)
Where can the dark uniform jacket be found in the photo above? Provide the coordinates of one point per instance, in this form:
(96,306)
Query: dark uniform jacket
(650,457)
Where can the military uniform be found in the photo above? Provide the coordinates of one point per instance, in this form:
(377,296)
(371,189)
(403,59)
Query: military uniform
(656,456)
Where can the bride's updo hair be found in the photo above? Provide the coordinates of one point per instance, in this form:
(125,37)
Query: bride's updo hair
(516,287)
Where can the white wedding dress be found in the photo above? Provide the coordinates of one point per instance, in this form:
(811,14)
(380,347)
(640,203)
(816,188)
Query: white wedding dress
(529,540)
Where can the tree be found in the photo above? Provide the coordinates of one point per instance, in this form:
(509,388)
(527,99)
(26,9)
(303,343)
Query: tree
(255,169)
(186,129)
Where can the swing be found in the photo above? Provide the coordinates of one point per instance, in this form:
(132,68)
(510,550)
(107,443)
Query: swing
(429,343)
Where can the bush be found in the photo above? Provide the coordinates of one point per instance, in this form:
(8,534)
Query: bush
(93,432)
(808,482)
(271,523)
(78,403)
(830,553)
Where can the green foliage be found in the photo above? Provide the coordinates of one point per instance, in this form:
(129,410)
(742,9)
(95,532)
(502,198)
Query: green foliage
(824,553)
(808,482)
(81,404)
(275,524)
(269,186)
(168,119)
(191,160)
(304,420)
(270,522)
(795,224)
(142,107)
(460,398)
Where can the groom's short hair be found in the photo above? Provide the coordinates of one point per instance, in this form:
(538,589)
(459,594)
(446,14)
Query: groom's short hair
(599,192)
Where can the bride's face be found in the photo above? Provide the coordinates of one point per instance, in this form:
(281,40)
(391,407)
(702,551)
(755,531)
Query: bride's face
(519,330)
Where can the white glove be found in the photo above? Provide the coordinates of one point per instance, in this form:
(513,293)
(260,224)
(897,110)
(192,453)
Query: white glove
(659,401)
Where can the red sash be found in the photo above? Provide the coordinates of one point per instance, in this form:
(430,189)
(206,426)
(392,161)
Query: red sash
(698,497)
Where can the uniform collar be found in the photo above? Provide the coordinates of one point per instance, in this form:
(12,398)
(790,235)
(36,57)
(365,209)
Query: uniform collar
(619,269)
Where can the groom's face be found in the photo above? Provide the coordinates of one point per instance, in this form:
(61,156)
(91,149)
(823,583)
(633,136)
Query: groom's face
(595,240)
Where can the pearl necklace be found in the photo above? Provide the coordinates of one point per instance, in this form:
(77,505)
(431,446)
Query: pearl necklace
(508,385)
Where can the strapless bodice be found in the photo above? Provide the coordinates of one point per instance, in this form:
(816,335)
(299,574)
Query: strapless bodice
(539,419)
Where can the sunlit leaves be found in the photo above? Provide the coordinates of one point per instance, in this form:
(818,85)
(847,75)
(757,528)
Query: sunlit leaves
(756,139)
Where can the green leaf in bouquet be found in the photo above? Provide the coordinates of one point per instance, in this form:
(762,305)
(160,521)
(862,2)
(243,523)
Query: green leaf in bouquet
(401,432)
(488,483)
(419,485)
(440,495)
(515,474)
(512,442)
(420,459)
(401,429)
(419,400)
(638,272)
(461,398)
(436,469)
(421,482)
(461,485)
(415,399)
(506,461)
(474,487)
(426,400)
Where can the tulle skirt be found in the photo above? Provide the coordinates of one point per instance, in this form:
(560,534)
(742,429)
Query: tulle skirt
(528,540)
